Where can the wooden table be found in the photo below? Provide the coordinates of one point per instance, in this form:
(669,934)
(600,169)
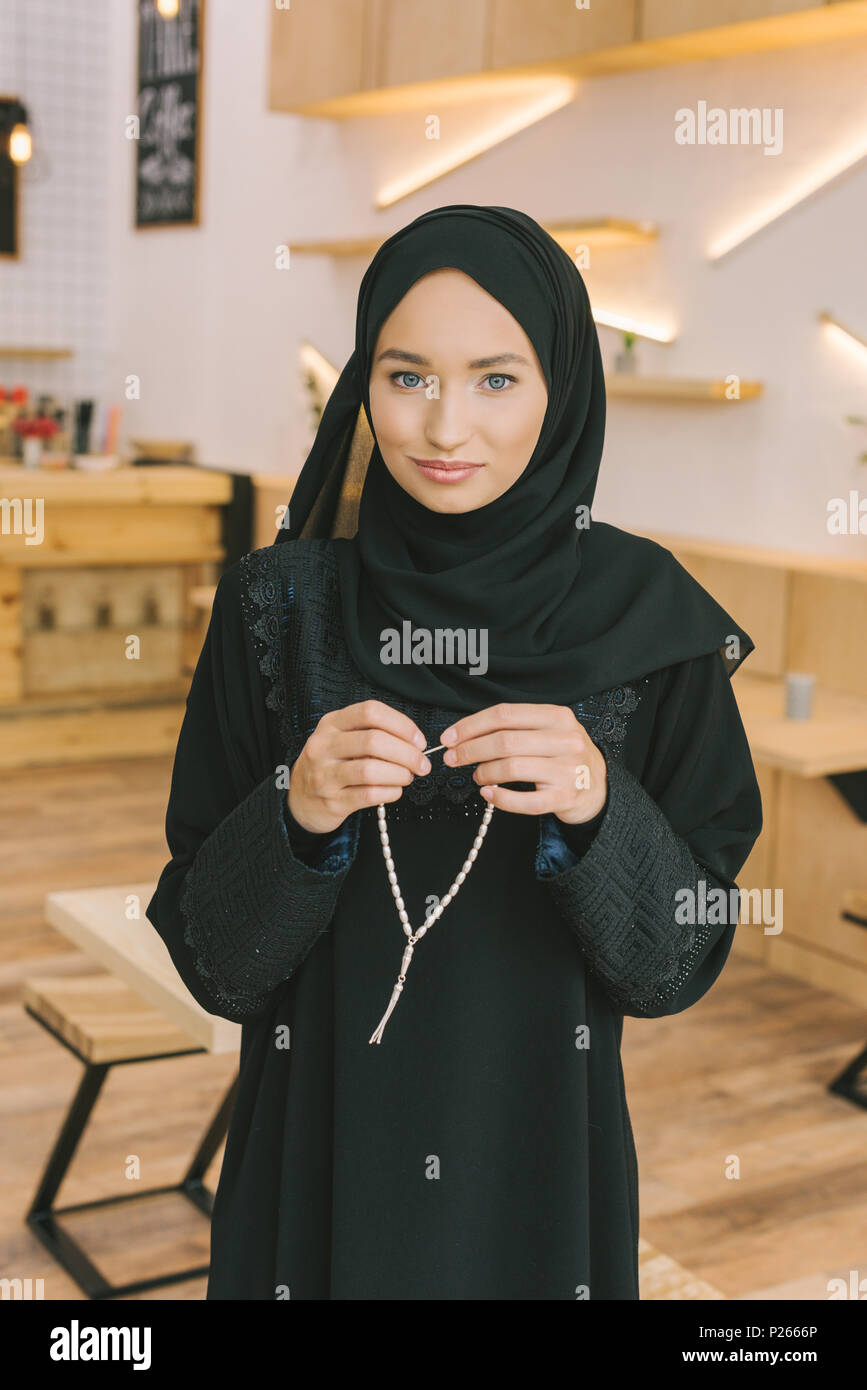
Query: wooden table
(813,846)
(130,948)
(833,740)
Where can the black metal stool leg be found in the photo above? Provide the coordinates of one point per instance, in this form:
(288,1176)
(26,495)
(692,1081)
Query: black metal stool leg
(43,1216)
(193,1180)
(852,1081)
(67,1140)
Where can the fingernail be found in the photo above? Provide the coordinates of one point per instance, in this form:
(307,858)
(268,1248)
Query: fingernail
(450,756)
(419,740)
(425,764)
(448,736)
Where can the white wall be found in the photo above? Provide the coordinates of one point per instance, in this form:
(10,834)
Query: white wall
(212,327)
(56,58)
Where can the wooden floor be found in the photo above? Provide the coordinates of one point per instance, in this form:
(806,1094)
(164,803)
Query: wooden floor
(737,1082)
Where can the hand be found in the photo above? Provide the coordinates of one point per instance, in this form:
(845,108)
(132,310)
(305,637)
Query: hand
(355,757)
(544,744)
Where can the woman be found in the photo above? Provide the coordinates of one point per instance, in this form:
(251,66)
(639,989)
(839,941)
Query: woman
(476,1144)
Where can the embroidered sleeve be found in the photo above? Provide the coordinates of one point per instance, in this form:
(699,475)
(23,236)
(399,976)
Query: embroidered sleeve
(320,851)
(247,892)
(624,897)
(561,845)
(253,911)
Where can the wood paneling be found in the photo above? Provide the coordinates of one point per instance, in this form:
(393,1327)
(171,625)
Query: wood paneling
(755,596)
(659,18)
(98,731)
(68,661)
(415,41)
(114,534)
(341,93)
(317,51)
(157,484)
(758,870)
(11,678)
(77,622)
(828,630)
(821,854)
(552,29)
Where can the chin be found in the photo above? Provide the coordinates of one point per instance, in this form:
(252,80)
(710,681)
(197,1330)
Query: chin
(438,498)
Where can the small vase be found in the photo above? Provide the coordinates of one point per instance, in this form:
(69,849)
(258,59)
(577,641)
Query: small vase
(626,362)
(32,451)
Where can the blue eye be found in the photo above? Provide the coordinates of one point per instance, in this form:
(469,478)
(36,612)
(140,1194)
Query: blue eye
(415,381)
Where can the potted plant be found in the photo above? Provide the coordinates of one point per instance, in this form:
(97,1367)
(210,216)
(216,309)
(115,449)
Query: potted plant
(33,430)
(626,360)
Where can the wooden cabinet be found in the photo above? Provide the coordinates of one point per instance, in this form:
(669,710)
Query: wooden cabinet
(352,57)
(318,51)
(415,41)
(661,18)
(549,30)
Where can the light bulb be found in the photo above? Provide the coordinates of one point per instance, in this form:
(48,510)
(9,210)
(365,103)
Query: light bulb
(168,8)
(20,144)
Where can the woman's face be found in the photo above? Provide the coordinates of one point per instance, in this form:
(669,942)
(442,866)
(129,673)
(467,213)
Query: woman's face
(455,380)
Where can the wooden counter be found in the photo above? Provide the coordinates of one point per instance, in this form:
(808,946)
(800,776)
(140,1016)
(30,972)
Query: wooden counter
(98,630)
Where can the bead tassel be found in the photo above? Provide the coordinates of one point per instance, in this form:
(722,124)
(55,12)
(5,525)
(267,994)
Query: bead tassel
(376,1037)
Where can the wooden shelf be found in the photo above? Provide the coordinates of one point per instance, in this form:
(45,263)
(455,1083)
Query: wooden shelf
(601,233)
(672,388)
(47,354)
(819,24)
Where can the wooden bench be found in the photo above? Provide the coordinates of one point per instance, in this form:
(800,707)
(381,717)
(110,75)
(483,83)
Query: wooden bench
(104,1023)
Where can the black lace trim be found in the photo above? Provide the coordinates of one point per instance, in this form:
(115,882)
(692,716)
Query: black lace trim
(290,599)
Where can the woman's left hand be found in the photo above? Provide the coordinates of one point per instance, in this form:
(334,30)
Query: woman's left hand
(544,744)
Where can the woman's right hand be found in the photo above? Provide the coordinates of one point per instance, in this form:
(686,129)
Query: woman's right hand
(355,757)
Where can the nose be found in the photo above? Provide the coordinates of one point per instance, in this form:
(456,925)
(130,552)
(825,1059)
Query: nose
(447,421)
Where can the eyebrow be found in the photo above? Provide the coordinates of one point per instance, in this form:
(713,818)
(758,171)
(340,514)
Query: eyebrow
(398,355)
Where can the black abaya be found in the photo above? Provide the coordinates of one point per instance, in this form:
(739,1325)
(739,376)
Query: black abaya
(484,1149)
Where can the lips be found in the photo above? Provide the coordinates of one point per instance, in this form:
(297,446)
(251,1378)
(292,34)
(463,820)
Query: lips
(446,470)
(447,463)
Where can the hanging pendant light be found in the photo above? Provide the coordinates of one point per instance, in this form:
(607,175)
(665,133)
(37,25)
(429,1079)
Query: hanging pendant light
(20,144)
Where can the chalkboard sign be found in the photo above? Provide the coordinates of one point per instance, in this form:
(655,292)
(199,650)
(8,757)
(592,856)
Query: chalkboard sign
(170,115)
(8,183)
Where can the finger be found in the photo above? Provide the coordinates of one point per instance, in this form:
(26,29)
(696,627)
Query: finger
(536,770)
(359,797)
(508,742)
(505,716)
(376,743)
(523,803)
(375,714)
(354,772)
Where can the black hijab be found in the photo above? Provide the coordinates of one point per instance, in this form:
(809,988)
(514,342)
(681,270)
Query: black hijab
(568,611)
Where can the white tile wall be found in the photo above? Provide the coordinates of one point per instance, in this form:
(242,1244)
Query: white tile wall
(54,55)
